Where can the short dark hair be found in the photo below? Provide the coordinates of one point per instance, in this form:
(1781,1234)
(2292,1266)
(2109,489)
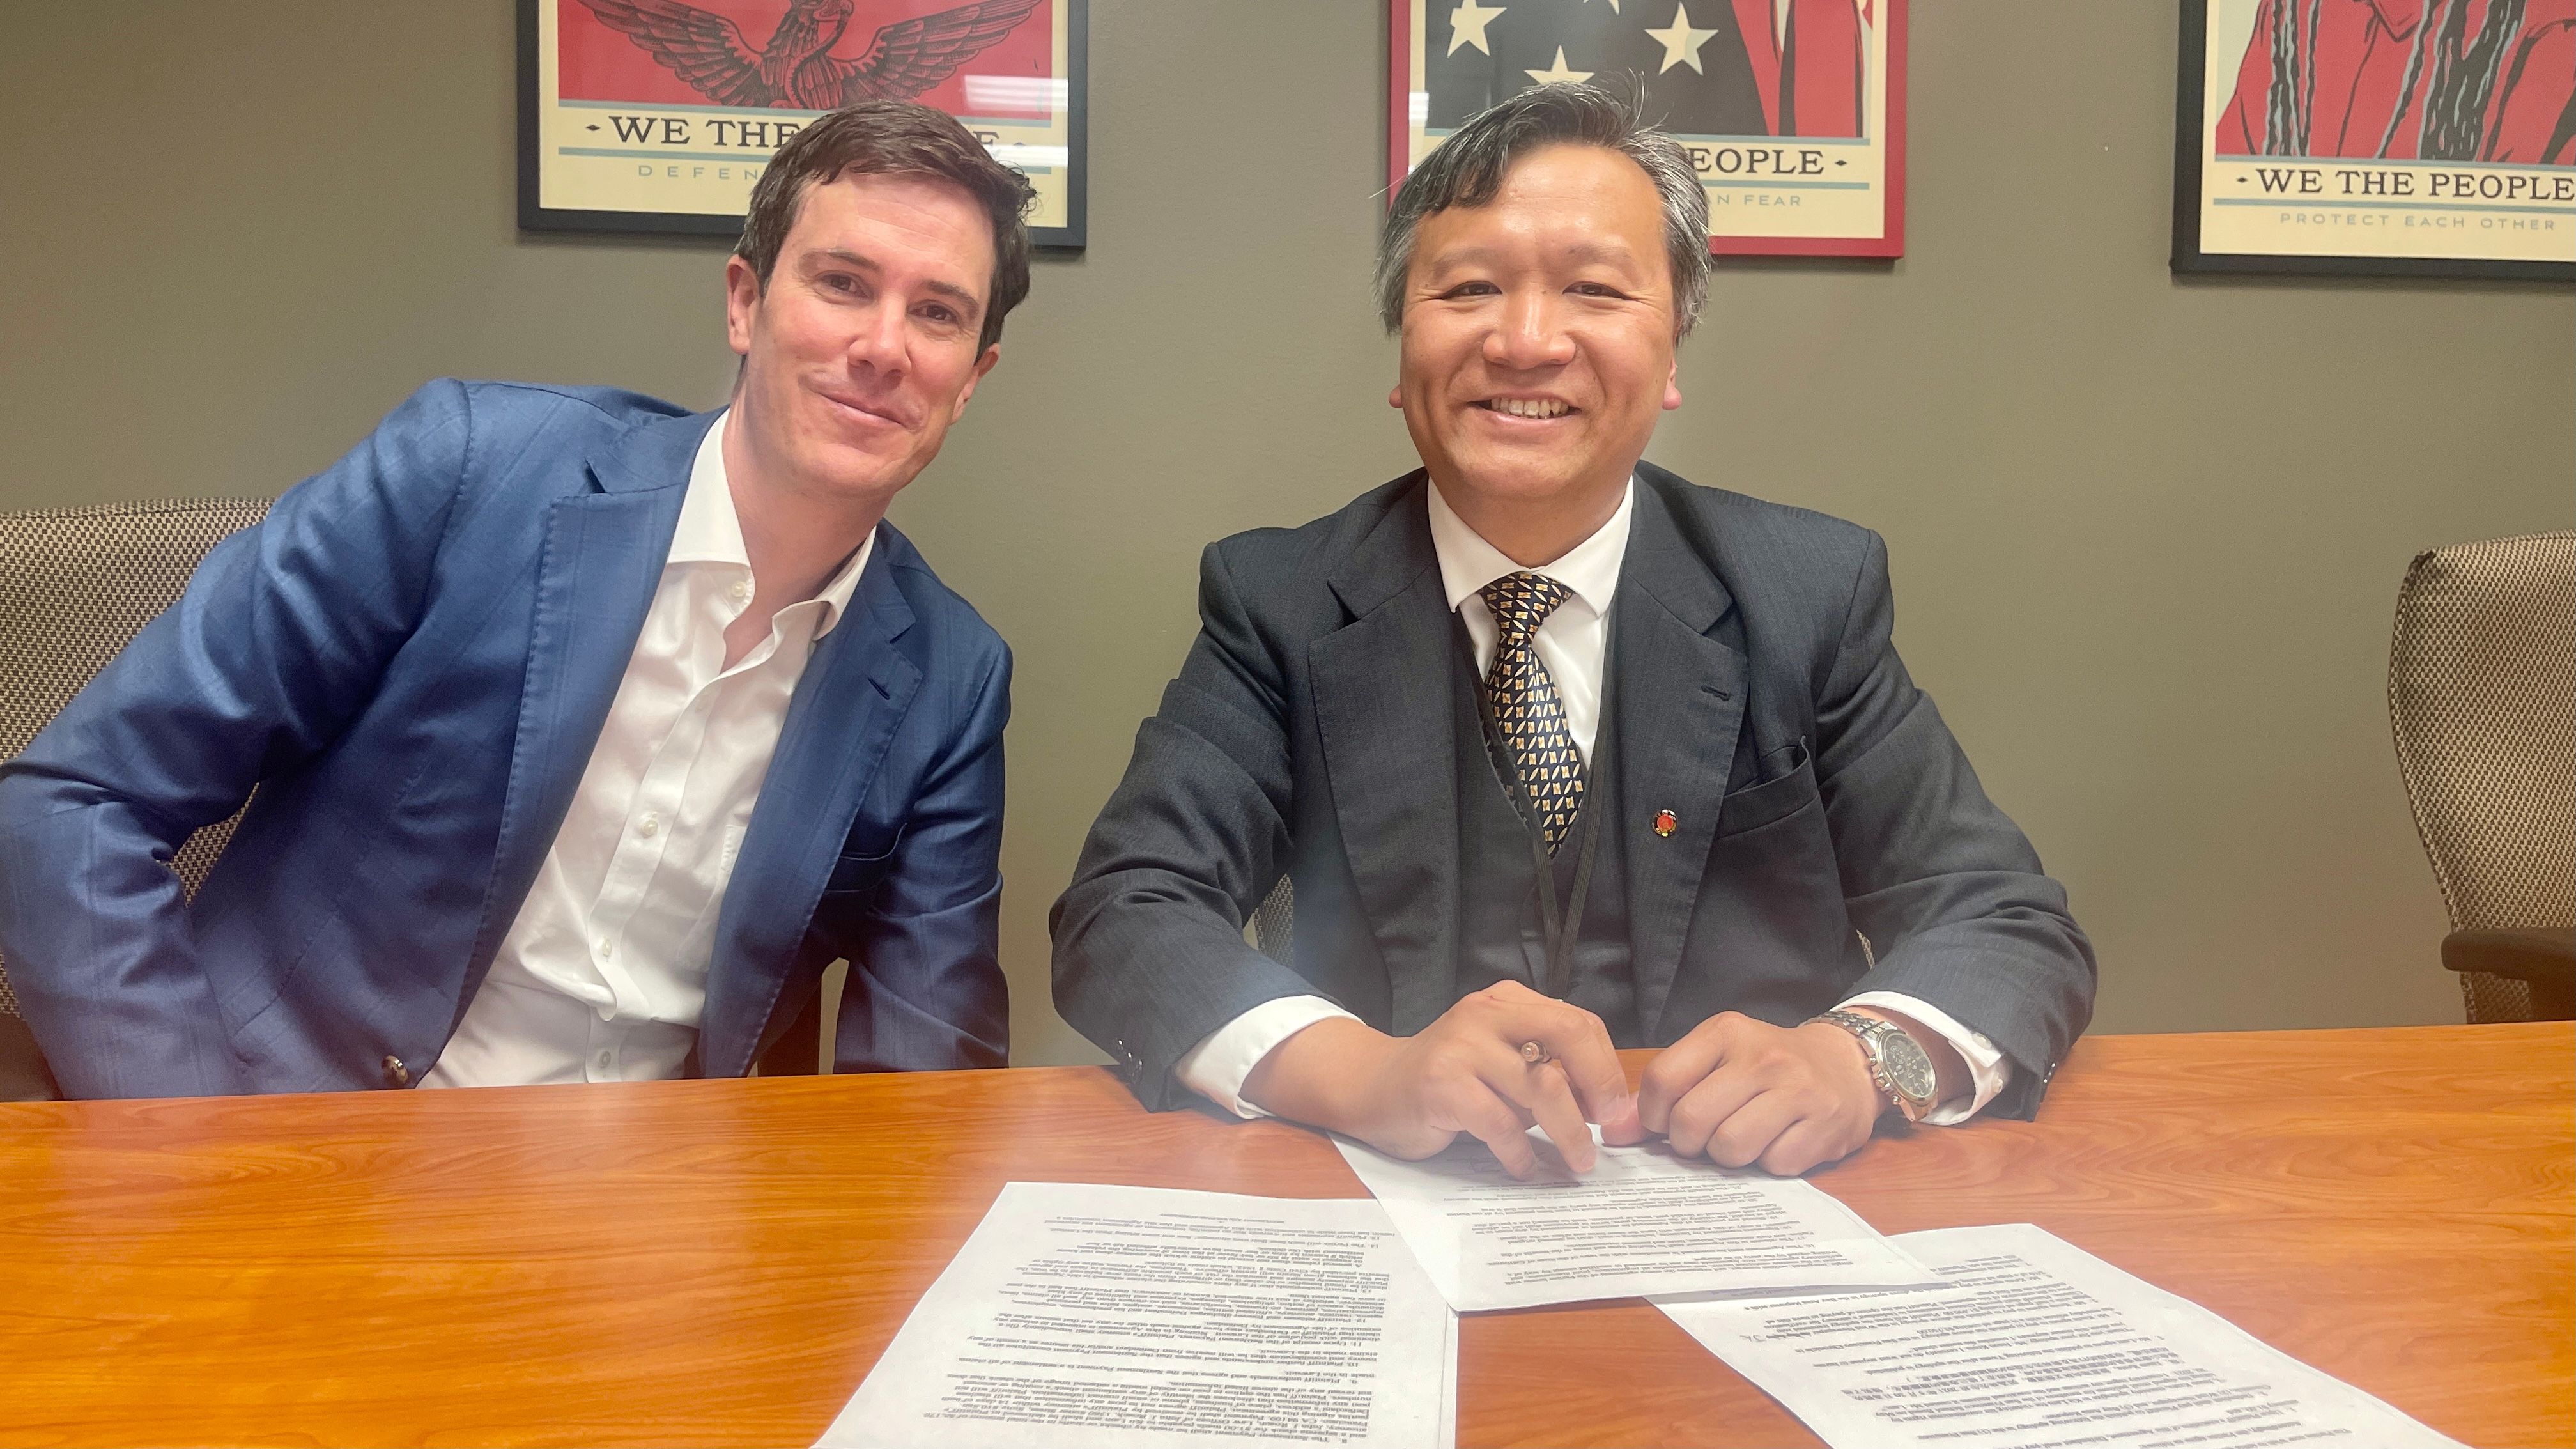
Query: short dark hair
(1468,170)
(894,138)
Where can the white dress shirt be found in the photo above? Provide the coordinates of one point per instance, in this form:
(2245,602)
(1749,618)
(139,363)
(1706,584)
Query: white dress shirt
(1573,642)
(603,976)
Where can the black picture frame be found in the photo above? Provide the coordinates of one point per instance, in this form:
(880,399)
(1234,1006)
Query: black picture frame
(536,217)
(2188,257)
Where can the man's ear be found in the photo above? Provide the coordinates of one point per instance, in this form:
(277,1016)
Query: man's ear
(1673,386)
(1395,397)
(742,299)
(983,364)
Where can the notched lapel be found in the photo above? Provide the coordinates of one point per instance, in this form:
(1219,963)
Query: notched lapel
(849,704)
(601,563)
(597,570)
(1681,699)
(1382,708)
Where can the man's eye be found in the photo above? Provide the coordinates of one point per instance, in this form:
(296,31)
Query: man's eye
(1472,289)
(839,282)
(1597,289)
(939,314)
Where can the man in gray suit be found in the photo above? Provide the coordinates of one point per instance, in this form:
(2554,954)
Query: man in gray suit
(1562,753)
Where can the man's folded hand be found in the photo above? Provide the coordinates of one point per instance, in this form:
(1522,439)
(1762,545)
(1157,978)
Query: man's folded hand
(1466,1072)
(1746,1092)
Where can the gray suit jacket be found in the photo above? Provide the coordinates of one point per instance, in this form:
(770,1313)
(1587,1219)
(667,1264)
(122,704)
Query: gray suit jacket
(1820,798)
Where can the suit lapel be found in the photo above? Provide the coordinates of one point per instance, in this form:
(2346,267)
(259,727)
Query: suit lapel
(1680,697)
(851,700)
(1383,710)
(601,563)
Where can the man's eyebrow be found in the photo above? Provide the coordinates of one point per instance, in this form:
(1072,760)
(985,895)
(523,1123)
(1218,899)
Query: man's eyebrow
(973,304)
(1599,252)
(841,254)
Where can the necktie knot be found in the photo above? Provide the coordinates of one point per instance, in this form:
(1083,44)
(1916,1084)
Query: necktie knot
(1521,602)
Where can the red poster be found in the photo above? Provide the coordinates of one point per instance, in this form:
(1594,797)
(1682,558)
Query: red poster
(659,115)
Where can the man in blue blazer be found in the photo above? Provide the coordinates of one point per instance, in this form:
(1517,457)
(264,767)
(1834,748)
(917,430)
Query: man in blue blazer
(585,732)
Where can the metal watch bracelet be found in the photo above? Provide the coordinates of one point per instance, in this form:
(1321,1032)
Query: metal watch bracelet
(1897,1063)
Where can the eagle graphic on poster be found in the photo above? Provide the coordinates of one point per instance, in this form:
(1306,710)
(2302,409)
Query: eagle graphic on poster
(795,68)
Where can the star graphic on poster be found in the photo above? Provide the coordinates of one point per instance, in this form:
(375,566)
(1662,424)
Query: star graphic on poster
(1557,73)
(1467,25)
(1681,43)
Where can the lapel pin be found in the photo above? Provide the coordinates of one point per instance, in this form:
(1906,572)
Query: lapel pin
(1665,824)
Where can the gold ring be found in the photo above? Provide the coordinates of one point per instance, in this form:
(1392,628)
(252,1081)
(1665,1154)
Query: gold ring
(1536,1053)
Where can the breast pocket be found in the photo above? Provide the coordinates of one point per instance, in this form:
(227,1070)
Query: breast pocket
(1773,800)
(1774,898)
(858,873)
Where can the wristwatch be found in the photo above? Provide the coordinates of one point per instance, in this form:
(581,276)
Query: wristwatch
(1896,1061)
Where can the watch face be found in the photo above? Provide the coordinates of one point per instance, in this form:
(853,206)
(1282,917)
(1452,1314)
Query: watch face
(1907,1066)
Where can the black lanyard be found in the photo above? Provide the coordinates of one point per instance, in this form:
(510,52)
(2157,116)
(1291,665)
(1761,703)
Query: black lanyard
(1560,923)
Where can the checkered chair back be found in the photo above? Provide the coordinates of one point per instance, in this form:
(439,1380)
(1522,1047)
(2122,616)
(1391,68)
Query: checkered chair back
(2482,699)
(76,585)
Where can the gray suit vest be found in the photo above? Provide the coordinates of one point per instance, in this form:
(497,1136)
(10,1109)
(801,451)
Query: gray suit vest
(1499,936)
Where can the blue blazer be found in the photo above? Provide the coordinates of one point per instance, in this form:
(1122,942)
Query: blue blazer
(411,659)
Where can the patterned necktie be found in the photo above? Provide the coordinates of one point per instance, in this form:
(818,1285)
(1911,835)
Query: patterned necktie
(1525,702)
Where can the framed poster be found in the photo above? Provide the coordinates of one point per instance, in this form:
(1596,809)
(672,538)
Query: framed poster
(1793,111)
(658,115)
(2364,137)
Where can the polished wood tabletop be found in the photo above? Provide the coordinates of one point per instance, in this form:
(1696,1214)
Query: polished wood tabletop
(720,1262)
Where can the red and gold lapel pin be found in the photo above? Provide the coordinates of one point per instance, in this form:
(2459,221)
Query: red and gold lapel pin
(1665,823)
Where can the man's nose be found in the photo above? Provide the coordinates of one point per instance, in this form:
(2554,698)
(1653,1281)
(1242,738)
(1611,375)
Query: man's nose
(1530,333)
(881,341)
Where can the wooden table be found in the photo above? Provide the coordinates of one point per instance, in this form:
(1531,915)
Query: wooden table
(719,1262)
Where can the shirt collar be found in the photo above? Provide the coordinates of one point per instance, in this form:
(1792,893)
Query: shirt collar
(710,532)
(1590,568)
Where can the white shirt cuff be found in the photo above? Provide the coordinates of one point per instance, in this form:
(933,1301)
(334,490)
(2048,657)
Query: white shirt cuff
(1217,1067)
(1989,1070)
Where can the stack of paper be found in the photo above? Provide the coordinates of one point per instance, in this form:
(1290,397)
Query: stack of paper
(1080,1315)
(2033,1343)
(1642,1222)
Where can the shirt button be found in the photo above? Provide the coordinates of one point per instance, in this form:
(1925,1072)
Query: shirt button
(605,950)
(741,591)
(651,824)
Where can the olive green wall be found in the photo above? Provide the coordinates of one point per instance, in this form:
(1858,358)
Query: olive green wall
(2147,534)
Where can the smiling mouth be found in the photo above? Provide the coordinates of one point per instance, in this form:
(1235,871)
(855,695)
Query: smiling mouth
(863,410)
(1536,408)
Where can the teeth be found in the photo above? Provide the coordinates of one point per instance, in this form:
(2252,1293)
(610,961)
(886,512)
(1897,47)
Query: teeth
(1530,407)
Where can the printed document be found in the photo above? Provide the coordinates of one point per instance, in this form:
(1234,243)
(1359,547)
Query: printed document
(2034,1344)
(1096,1316)
(1643,1221)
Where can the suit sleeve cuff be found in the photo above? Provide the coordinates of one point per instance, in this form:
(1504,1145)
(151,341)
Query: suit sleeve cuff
(1989,1070)
(1217,1067)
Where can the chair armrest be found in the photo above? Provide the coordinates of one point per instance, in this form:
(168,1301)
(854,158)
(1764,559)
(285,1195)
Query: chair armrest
(2541,957)
(24,1077)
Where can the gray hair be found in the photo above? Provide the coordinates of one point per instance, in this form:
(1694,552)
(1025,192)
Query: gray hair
(1468,170)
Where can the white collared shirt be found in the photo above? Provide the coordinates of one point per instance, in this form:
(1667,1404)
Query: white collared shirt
(1573,642)
(603,976)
